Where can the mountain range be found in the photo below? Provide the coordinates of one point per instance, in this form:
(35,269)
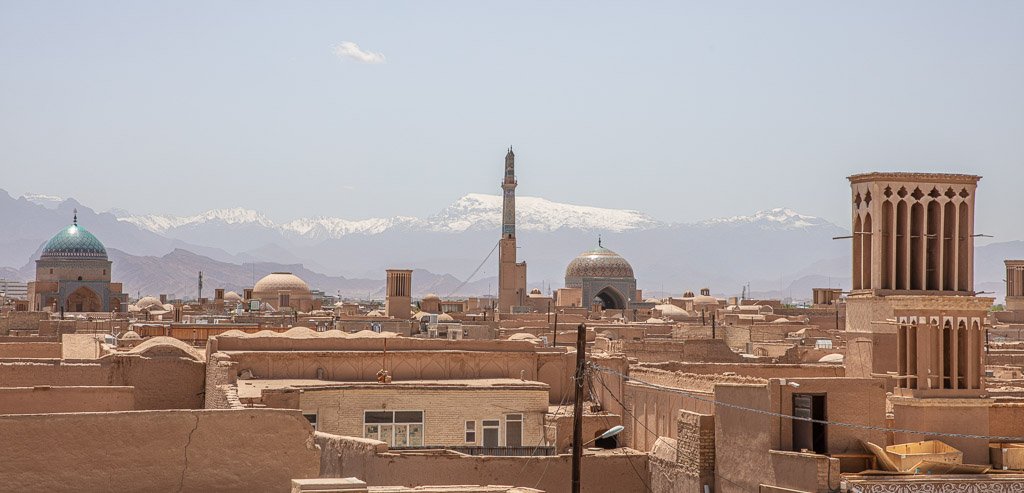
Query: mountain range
(776,252)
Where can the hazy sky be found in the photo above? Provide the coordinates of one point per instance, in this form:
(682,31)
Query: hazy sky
(358,109)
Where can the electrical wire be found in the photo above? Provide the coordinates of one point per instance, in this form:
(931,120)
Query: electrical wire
(799,418)
(628,458)
(460,286)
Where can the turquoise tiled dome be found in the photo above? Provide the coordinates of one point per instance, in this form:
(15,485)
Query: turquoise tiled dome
(76,243)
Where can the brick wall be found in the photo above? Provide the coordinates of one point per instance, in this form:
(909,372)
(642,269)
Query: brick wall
(445,411)
(696,444)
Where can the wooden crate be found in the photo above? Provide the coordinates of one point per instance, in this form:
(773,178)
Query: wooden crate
(1006,455)
(908,455)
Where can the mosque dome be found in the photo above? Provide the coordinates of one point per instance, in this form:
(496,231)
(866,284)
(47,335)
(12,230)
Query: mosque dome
(280,281)
(74,242)
(597,262)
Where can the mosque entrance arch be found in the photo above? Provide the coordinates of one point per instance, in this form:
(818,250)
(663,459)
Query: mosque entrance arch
(610,298)
(83,299)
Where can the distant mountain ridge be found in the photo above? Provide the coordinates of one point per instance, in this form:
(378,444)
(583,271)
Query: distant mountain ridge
(774,250)
(471,212)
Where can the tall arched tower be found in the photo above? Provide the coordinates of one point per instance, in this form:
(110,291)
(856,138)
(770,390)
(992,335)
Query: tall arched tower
(511,274)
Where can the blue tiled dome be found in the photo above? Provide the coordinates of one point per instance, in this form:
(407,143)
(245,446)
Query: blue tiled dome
(74,242)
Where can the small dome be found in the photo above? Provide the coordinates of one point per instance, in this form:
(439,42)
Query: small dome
(375,313)
(444,317)
(597,262)
(131,335)
(74,242)
(523,336)
(149,303)
(831,358)
(232,296)
(431,297)
(671,311)
(535,291)
(688,295)
(705,300)
(274,283)
(420,315)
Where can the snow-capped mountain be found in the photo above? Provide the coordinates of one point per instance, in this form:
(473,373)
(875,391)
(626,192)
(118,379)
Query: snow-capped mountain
(474,212)
(164,223)
(481,211)
(778,218)
(48,201)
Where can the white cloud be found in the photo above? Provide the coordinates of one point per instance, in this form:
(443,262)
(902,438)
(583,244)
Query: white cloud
(352,51)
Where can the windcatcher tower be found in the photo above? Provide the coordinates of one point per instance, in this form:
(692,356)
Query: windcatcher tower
(913,316)
(398,301)
(511,274)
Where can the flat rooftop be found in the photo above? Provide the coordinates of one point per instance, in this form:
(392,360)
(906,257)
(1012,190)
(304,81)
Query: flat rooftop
(253,388)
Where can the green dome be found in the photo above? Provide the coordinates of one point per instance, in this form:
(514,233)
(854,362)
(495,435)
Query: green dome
(76,243)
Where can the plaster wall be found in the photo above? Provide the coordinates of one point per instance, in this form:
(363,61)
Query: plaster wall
(697,350)
(40,400)
(243,451)
(30,350)
(756,370)
(159,383)
(609,472)
(968,416)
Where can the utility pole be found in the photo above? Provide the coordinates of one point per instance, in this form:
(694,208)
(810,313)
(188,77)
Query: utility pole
(577,407)
(554,332)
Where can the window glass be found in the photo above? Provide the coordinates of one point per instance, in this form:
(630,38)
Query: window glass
(470,431)
(416,435)
(408,416)
(379,417)
(387,434)
(401,436)
(371,431)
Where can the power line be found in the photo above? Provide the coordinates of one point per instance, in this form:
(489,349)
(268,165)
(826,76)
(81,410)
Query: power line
(625,410)
(475,271)
(799,418)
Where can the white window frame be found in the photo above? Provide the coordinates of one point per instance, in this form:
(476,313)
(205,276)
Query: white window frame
(394,426)
(484,427)
(471,429)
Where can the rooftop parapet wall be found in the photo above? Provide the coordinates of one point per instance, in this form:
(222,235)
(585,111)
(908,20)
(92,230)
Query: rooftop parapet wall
(208,450)
(329,341)
(756,370)
(160,381)
(38,400)
(612,471)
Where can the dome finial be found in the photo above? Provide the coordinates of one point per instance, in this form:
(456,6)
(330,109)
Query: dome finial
(75,219)
(599,241)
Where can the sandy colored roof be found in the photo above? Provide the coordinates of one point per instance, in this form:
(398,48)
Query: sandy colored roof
(166,346)
(252,388)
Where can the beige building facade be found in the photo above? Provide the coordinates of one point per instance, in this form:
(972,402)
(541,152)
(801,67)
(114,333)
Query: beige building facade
(429,413)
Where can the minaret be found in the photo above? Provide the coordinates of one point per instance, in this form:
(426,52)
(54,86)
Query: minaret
(508,206)
(511,274)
